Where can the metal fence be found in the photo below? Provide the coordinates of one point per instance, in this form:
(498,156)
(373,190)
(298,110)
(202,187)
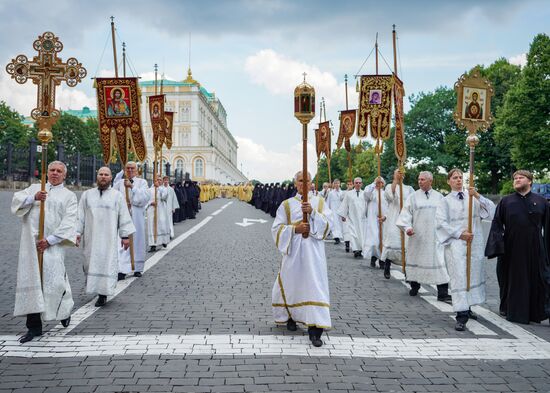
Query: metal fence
(23,164)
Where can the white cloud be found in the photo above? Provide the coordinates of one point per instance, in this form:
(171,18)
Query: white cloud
(22,98)
(280,75)
(150,76)
(520,60)
(270,166)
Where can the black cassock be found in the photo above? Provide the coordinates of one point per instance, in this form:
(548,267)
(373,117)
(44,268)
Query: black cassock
(520,238)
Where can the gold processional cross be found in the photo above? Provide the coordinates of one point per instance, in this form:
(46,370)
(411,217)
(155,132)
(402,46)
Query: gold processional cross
(47,71)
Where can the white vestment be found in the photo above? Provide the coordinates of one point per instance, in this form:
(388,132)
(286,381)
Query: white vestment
(171,205)
(139,198)
(425,259)
(163,229)
(301,289)
(392,234)
(372,238)
(452,220)
(103,218)
(354,209)
(334,201)
(53,298)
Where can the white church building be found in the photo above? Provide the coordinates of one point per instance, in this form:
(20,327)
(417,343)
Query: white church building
(202,144)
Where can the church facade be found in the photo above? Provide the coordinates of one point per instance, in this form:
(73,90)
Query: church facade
(202,144)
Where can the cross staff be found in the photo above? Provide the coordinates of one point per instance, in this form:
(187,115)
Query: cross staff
(47,71)
(466,86)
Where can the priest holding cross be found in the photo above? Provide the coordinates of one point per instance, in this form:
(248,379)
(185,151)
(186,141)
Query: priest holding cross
(48,210)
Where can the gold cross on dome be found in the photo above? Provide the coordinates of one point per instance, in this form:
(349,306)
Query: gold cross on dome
(47,71)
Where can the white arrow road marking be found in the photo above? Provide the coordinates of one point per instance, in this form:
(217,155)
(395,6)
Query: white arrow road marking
(250,221)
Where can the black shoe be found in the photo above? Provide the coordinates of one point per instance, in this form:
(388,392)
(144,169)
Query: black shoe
(29,336)
(137,274)
(380,264)
(347,246)
(336,240)
(387,273)
(472,315)
(502,313)
(445,298)
(164,245)
(373,262)
(152,248)
(101,301)
(460,326)
(357,254)
(121,276)
(291,325)
(316,341)
(414,291)
(66,322)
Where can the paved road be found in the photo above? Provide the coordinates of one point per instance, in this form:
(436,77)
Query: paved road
(200,320)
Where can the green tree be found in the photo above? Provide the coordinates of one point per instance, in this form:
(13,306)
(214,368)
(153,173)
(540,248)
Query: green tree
(524,119)
(493,159)
(77,135)
(363,164)
(12,129)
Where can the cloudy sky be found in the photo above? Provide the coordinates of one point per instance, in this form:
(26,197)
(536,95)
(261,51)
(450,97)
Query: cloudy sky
(252,53)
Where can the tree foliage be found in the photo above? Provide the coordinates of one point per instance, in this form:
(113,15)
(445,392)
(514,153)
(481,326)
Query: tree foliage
(12,129)
(77,135)
(524,119)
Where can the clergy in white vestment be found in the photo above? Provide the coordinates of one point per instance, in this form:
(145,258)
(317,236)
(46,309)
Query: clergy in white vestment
(353,210)
(326,189)
(138,194)
(391,252)
(424,255)
(171,204)
(46,298)
(345,223)
(301,292)
(103,220)
(452,232)
(372,239)
(334,200)
(162,225)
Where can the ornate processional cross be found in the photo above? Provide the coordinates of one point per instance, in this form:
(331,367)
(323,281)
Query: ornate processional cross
(47,71)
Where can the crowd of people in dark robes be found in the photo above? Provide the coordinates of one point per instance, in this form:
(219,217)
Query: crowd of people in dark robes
(187,193)
(268,197)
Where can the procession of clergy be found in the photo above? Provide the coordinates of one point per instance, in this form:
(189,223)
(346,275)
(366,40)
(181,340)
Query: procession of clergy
(114,224)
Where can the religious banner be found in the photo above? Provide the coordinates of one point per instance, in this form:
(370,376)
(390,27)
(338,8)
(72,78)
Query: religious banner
(318,147)
(119,118)
(169,118)
(399,138)
(375,106)
(158,123)
(473,110)
(324,138)
(347,128)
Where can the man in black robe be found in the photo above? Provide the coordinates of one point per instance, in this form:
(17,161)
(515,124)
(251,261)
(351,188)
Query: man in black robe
(190,193)
(182,200)
(520,238)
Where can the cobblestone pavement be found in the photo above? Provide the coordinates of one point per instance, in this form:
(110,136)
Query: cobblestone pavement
(200,320)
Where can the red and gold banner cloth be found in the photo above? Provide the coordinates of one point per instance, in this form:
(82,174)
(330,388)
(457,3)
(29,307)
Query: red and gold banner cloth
(375,106)
(324,138)
(317,145)
(169,118)
(399,142)
(158,123)
(347,128)
(119,118)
